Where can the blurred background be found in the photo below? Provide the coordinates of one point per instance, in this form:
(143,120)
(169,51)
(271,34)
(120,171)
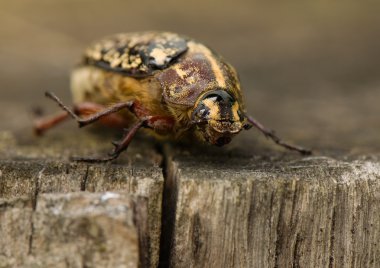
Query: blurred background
(309,69)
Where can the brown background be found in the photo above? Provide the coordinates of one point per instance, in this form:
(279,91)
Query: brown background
(310,69)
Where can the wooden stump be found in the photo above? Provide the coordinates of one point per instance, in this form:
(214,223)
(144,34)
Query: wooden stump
(312,212)
(220,209)
(33,189)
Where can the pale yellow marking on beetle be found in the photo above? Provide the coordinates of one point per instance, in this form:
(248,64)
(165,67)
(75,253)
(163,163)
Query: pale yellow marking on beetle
(219,76)
(235,109)
(159,55)
(115,62)
(191,79)
(181,73)
(214,108)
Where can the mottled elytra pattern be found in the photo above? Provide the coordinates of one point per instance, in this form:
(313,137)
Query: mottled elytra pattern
(136,54)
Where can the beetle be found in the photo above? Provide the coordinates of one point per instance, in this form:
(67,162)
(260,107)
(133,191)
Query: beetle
(161,81)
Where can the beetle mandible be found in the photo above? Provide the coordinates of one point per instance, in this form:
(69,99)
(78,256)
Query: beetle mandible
(161,81)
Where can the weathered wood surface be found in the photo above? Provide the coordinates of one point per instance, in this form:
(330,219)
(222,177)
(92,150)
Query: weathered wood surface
(310,212)
(278,211)
(29,172)
(71,230)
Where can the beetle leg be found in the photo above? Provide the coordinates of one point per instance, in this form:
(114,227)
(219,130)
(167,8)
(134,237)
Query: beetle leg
(271,134)
(119,146)
(158,123)
(92,118)
(81,109)
(42,125)
(88,109)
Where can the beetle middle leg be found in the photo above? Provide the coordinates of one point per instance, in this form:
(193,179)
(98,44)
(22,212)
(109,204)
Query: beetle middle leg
(43,124)
(120,146)
(158,123)
(154,122)
(271,134)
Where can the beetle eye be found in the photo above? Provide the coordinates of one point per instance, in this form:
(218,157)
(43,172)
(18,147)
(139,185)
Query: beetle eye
(220,96)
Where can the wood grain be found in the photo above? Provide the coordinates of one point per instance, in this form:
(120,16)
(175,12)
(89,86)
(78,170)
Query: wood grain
(25,179)
(72,230)
(311,212)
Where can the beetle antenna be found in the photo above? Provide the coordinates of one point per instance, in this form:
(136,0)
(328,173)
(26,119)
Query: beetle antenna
(271,135)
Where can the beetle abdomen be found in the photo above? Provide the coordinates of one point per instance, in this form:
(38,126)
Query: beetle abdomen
(92,84)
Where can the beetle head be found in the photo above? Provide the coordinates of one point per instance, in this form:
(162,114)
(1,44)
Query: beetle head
(218,117)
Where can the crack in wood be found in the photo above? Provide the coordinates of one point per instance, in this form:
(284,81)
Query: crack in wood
(296,252)
(279,233)
(34,207)
(356,209)
(169,204)
(83,182)
(332,238)
(140,220)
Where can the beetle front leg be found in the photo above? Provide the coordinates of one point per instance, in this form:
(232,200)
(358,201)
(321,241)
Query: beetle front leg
(119,146)
(157,123)
(271,134)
